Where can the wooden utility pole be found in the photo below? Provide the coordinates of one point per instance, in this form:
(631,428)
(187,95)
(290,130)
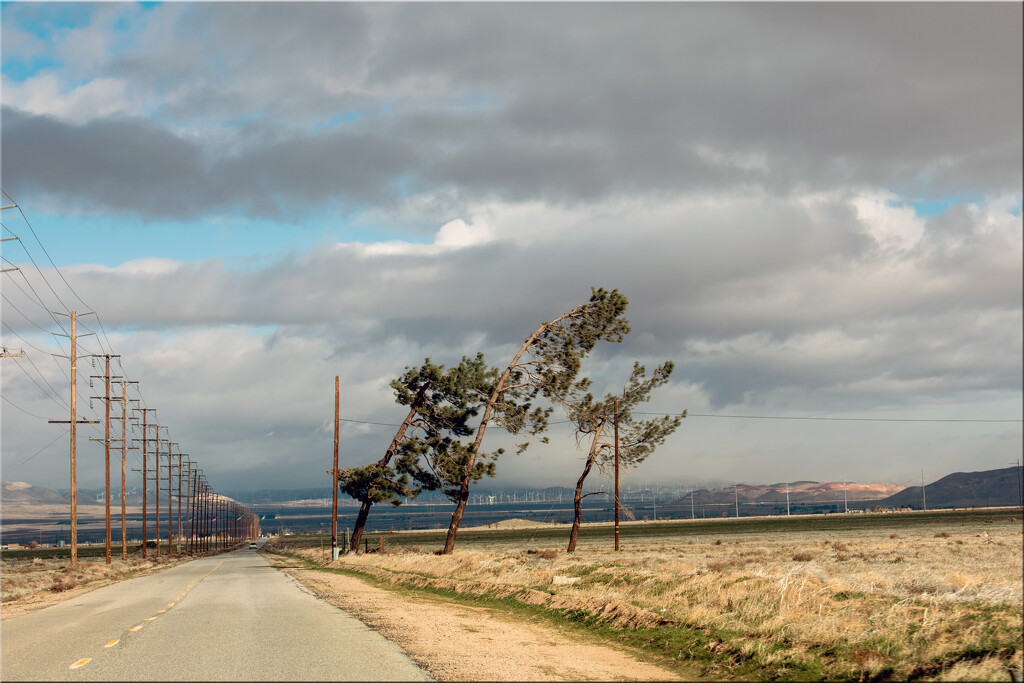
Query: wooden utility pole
(180,456)
(145,477)
(334,472)
(170,517)
(616,474)
(193,476)
(106,441)
(156,489)
(124,454)
(188,508)
(74,422)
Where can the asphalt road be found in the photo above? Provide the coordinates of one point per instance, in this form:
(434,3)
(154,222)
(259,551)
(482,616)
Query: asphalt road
(226,618)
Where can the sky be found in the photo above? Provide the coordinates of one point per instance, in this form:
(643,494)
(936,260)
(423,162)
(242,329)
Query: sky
(813,209)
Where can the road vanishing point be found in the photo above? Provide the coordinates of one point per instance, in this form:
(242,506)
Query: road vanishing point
(231,617)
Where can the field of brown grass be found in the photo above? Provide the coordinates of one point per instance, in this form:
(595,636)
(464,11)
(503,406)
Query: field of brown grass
(934,603)
(29,581)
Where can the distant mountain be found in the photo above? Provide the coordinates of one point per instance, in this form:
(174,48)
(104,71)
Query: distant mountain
(798,492)
(991,488)
(21,492)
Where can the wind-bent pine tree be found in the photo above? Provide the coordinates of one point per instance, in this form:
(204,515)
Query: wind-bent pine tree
(546,365)
(436,459)
(437,403)
(637,438)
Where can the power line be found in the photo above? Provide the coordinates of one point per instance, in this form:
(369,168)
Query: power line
(59,436)
(15,405)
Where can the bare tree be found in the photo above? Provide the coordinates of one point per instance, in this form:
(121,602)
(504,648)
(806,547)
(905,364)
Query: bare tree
(637,438)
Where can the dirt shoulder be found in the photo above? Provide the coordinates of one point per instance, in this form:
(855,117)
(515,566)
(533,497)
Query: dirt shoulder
(463,643)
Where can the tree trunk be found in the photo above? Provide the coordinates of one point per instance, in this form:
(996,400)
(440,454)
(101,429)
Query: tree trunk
(578,508)
(453,528)
(499,388)
(357,530)
(578,498)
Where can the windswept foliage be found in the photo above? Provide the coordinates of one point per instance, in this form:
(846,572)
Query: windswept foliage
(547,365)
(439,403)
(637,438)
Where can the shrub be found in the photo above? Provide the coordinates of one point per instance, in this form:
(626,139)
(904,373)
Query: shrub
(61,584)
(942,534)
(802,557)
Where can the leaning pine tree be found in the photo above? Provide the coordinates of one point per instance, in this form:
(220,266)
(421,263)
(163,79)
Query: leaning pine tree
(546,365)
(437,403)
(637,438)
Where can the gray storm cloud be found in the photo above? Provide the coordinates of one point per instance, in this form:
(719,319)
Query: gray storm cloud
(747,174)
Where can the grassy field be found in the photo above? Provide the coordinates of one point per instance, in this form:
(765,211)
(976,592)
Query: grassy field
(33,575)
(915,596)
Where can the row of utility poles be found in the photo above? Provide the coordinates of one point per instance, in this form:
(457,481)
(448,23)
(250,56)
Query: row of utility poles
(205,520)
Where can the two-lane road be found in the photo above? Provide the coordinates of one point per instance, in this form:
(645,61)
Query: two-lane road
(223,618)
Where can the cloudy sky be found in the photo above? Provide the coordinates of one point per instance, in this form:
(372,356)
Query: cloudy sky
(814,210)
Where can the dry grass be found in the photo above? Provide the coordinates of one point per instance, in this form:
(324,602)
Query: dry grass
(31,580)
(945,606)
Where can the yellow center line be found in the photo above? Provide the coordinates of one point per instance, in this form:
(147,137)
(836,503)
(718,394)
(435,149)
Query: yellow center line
(136,628)
(160,611)
(80,662)
(149,618)
(170,604)
(113,643)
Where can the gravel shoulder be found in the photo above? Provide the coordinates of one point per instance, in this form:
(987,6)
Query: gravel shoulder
(463,643)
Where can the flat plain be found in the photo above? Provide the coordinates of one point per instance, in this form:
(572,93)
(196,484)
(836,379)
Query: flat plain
(909,596)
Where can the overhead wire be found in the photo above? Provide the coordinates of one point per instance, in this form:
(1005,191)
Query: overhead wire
(85,349)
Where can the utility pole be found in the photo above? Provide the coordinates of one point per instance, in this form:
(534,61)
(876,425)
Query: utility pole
(156,488)
(124,463)
(193,475)
(845,507)
(124,458)
(334,472)
(145,476)
(6,353)
(74,422)
(692,513)
(616,474)
(170,518)
(924,500)
(180,455)
(106,439)
(188,508)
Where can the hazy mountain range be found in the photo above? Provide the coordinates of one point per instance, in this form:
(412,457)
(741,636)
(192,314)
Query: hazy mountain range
(1000,487)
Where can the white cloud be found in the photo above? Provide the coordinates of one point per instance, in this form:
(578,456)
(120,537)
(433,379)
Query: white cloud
(47,95)
(893,226)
